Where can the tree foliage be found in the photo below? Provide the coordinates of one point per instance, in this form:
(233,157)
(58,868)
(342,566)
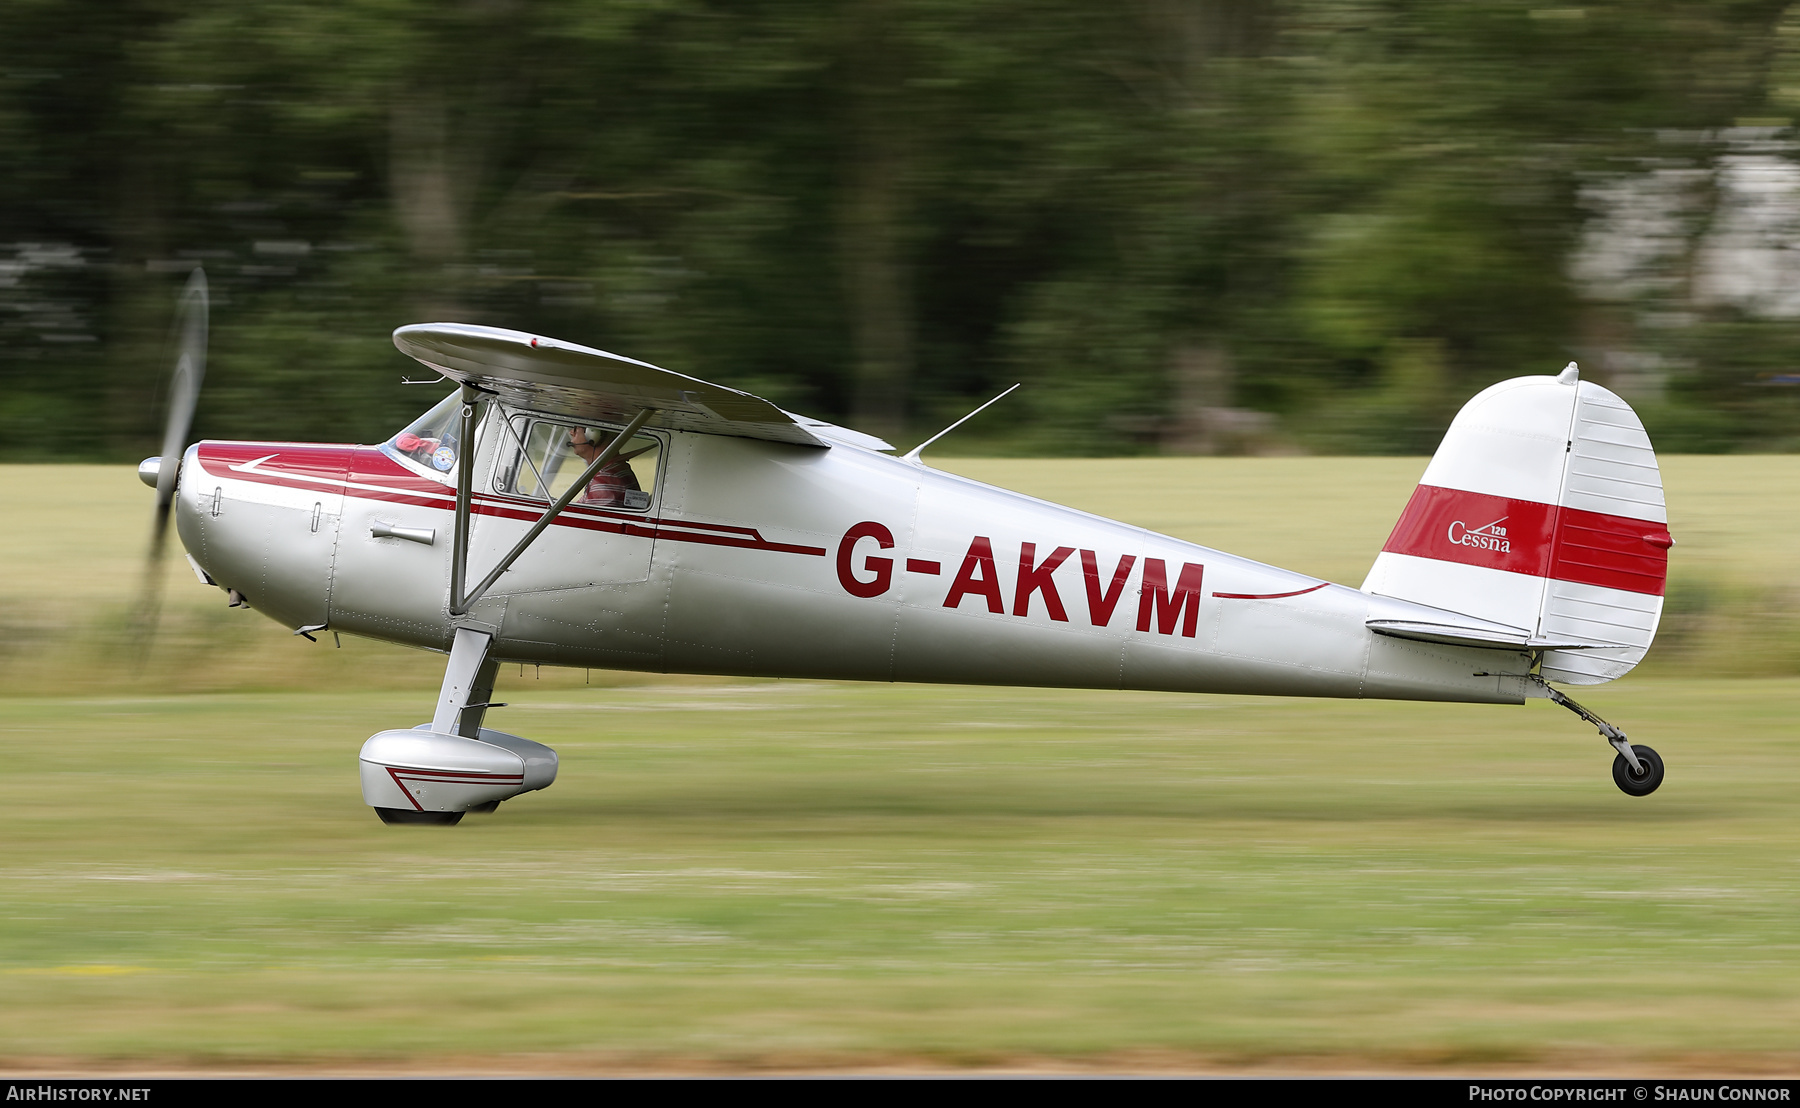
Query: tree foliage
(1189,225)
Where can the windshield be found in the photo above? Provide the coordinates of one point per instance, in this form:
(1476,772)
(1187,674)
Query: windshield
(431,441)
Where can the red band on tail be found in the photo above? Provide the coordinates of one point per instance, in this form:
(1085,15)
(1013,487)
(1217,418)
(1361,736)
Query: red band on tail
(1542,540)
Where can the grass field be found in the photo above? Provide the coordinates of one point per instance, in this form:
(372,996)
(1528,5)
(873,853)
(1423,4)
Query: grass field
(738,875)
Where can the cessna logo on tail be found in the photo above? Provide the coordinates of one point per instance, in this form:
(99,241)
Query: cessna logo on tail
(1490,537)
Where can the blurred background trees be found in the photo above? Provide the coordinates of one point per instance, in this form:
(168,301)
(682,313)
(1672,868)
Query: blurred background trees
(1189,225)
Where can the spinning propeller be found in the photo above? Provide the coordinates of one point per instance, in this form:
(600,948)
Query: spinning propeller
(189,331)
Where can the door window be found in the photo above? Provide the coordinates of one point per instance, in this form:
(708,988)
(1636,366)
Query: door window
(554,454)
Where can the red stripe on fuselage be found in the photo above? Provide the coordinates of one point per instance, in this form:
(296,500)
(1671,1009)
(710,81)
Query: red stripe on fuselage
(1269,595)
(368,474)
(1541,540)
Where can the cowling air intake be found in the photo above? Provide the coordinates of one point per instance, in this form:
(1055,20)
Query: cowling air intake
(1542,510)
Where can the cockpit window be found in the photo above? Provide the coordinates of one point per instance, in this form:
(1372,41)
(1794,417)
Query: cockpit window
(556,453)
(431,441)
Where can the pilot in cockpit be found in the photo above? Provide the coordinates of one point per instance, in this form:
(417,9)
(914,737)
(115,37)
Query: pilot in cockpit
(608,487)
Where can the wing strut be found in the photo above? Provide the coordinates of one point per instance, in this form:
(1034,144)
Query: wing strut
(465,485)
(460,603)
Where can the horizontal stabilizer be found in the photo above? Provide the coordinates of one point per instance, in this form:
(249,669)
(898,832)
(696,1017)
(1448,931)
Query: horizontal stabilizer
(1484,634)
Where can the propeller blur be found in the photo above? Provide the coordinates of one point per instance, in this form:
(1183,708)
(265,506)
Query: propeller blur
(190,336)
(566,506)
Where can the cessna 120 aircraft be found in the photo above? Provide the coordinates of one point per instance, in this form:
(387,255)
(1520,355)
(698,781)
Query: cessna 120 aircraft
(567,506)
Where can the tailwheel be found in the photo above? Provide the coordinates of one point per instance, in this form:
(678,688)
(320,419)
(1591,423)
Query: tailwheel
(1638,783)
(1637,770)
(451,819)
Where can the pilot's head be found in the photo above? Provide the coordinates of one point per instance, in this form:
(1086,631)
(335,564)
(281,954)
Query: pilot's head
(585,441)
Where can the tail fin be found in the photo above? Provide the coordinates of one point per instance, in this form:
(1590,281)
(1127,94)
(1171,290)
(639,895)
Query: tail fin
(1542,510)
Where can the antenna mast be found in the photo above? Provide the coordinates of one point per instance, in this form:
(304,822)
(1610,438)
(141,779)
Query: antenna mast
(913,454)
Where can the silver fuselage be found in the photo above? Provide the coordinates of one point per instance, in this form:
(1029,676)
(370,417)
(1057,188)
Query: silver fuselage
(768,559)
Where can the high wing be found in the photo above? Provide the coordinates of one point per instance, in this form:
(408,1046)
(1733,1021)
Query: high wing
(544,374)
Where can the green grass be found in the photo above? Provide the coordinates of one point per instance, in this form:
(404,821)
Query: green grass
(751,870)
(743,874)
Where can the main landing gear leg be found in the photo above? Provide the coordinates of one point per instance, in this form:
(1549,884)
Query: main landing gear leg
(1637,770)
(462,704)
(468,685)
